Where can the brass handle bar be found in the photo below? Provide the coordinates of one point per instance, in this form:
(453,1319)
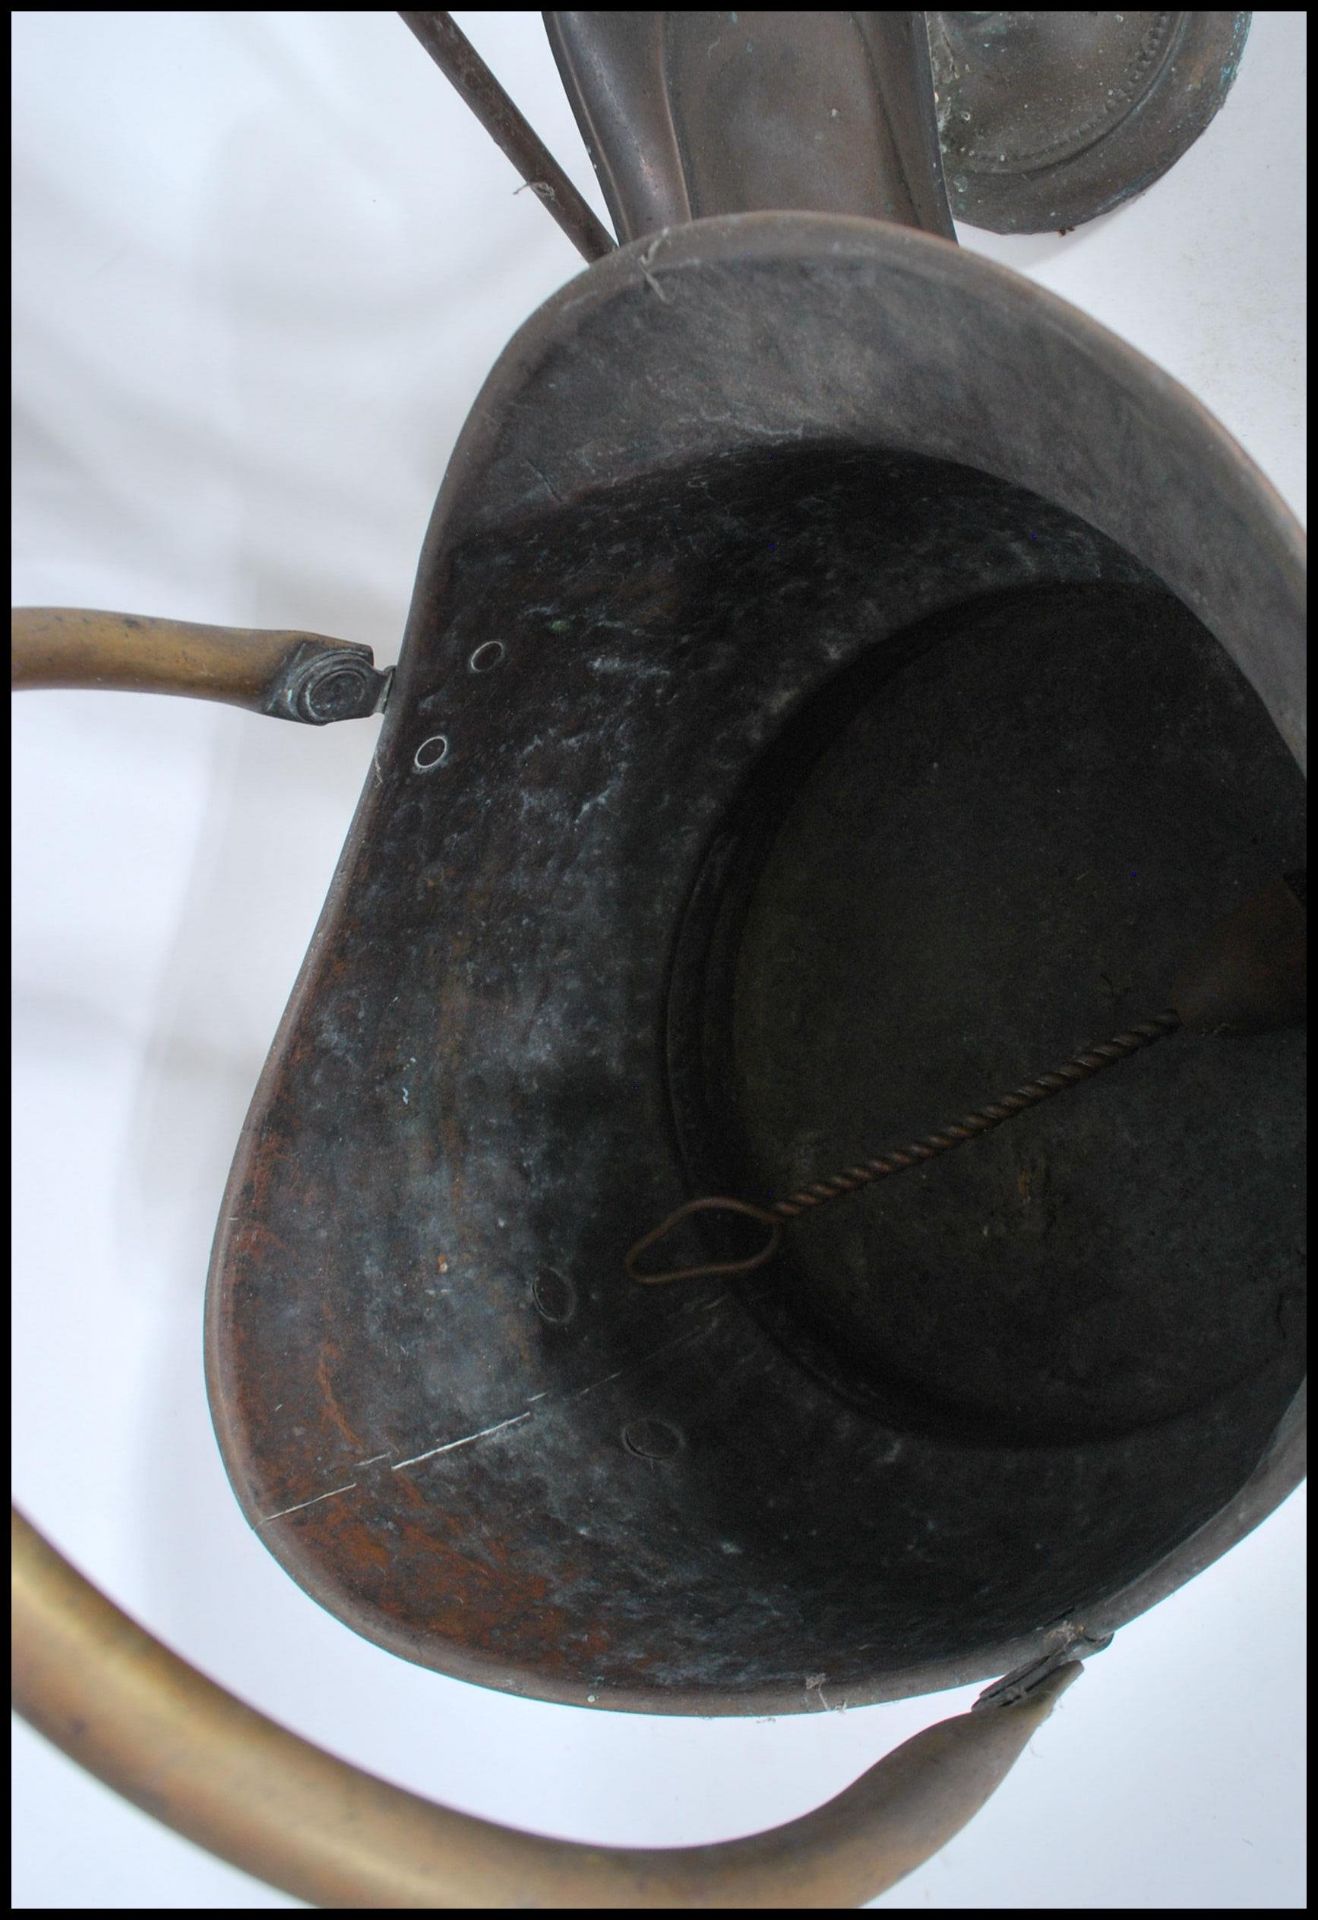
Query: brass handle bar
(160,1733)
(290,676)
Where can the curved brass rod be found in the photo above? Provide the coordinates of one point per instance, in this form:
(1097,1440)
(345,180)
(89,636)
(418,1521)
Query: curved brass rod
(290,676)
(164,1736)
(158,1732)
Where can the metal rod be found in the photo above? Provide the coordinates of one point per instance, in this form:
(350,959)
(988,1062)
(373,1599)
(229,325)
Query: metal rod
(460,63)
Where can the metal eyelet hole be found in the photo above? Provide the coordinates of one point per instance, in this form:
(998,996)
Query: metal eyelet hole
(487,656)
(652,1439)
(554,1297)
(431,753)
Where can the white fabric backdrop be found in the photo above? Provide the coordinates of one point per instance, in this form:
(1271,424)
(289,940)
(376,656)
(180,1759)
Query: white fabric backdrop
(262,263)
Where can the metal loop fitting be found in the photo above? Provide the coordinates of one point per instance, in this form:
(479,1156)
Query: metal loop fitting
(708,1268)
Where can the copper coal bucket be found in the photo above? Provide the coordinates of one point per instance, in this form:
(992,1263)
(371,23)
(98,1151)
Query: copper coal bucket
(839,676)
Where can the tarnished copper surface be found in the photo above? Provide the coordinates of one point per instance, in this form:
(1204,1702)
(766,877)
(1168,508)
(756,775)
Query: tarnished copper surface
(467,1117)
(1051,118)
(737,473)
(157,1731)
(1023,122)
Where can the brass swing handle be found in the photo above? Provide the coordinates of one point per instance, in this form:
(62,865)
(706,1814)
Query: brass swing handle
(158,1732)
(290,676)
(153,1728)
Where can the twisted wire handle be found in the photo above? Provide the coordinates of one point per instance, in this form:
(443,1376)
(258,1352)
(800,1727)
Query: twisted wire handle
(1081,1066)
